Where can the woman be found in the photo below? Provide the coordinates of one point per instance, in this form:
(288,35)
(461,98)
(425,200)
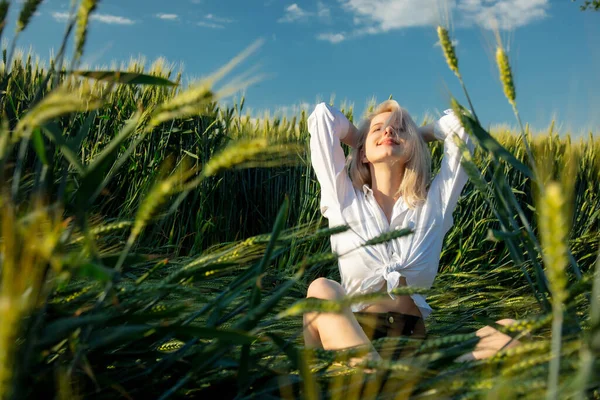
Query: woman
(383,186)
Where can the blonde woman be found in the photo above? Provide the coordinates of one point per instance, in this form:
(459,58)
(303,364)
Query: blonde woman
(383,186)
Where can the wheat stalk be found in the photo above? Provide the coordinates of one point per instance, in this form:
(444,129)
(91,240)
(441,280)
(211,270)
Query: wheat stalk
(387,236)
(83,15)
(553,230)
(506,75)
(61,101)
(29,8)
(449,50)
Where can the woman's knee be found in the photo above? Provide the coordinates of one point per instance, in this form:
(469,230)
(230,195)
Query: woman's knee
(323,288)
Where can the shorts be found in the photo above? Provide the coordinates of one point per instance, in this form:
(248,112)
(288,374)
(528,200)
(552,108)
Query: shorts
(392,324)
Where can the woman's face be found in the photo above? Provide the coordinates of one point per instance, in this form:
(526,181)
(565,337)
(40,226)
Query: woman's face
(384,145)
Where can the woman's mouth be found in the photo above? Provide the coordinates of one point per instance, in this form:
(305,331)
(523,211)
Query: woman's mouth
(388,142)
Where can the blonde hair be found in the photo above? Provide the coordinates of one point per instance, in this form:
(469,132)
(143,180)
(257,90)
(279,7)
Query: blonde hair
(417,170)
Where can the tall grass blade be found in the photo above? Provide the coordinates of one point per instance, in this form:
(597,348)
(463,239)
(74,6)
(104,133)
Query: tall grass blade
(4,5)
(128,78)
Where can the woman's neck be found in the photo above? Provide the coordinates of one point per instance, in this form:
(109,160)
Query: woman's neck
(385,182)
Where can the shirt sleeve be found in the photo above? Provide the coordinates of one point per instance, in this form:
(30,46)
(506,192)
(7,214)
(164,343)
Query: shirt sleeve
(451,179)
(327,126)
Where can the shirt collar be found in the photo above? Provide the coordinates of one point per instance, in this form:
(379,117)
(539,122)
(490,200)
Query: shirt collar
(400,204)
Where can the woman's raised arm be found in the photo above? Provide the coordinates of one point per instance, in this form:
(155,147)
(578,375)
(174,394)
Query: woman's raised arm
(328,128)
(451,178)
(427,133)
(351,138)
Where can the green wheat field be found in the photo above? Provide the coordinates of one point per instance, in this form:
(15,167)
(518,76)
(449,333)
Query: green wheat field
(156,244)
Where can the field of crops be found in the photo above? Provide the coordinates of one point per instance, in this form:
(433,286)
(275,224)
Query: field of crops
(154,244)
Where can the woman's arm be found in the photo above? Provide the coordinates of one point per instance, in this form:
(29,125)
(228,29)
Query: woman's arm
(328,127)
(452,177)
(427,133)
(351,138)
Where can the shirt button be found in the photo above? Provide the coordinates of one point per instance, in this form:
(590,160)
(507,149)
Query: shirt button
(391,319)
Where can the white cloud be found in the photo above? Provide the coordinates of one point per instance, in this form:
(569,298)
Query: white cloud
(103,18)
(214,22)
(376,16)
(60,16)
(505,14)
(323,11)
(385,15)
(169,17)
(112,19)
(332,37)
(219,19)
(294,13)
(210,25)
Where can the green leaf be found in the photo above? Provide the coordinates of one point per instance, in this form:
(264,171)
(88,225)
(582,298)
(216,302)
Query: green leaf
(110,259)
(97,171)
(287,347)
(54,133)
(250,320)
(491,145)
(96,271)
(75,143)
(277,227)
(38,145)
(496,235)
(226,335)
(191,154)
(203,271)
(119,334)
(60,328)
(130,78)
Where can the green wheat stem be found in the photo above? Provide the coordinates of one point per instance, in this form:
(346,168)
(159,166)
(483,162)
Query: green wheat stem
(586,356)
(452,61)
(553,229)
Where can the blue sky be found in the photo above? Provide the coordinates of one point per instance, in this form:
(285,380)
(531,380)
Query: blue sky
(356,50)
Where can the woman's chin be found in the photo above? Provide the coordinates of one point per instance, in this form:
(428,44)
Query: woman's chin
(391,160)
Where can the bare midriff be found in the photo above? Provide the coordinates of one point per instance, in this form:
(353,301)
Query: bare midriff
(401,304)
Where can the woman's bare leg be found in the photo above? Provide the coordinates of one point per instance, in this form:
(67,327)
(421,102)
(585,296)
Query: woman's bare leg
(490,342)
(328,330)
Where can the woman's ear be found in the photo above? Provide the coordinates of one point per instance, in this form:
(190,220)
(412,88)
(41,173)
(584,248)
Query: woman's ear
(363,156)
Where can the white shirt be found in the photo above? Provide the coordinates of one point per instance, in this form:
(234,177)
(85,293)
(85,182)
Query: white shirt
(414,257)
